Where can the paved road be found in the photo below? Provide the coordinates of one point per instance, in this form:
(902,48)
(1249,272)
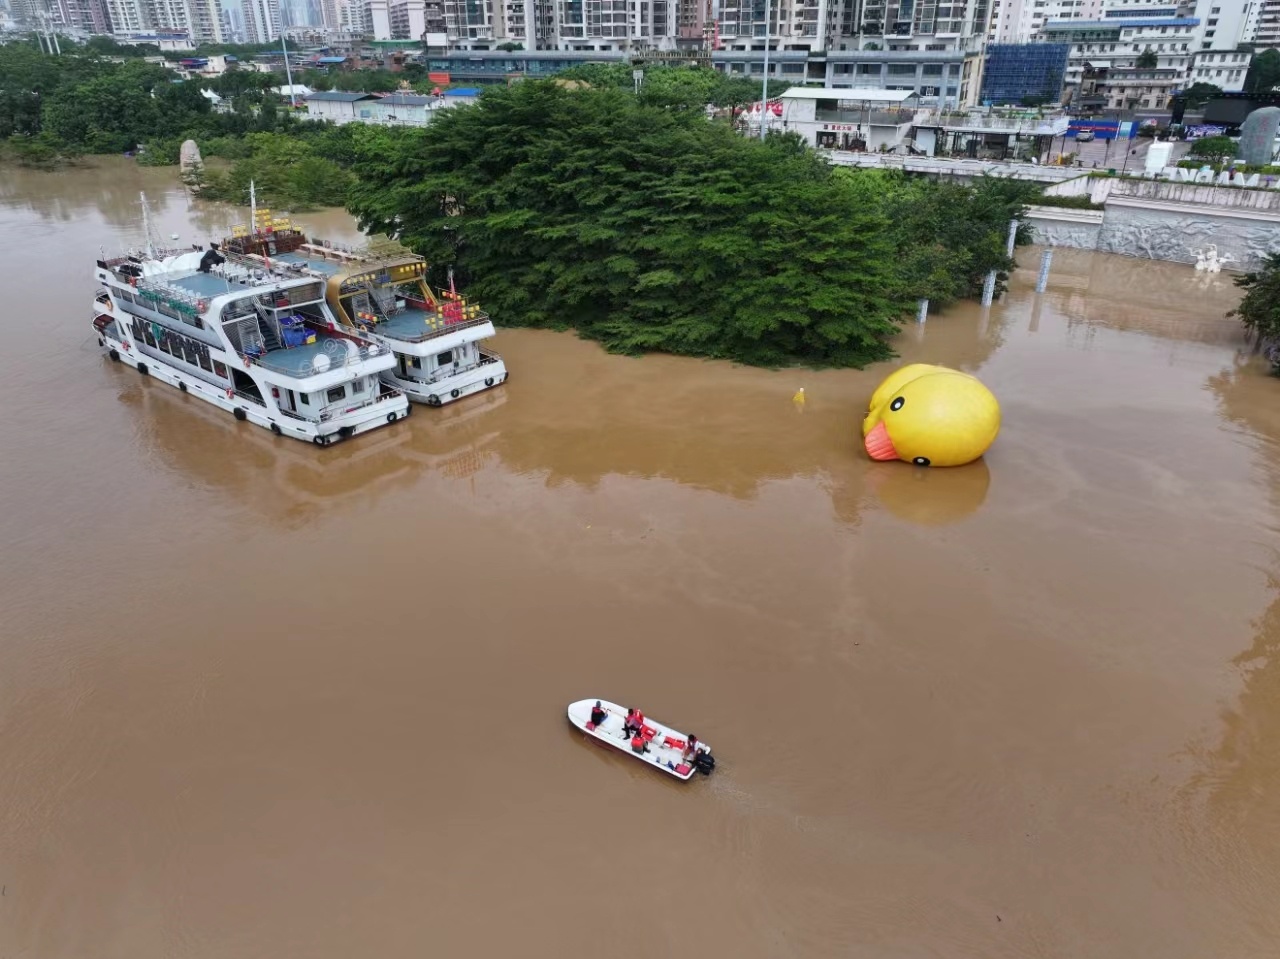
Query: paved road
(1103,154)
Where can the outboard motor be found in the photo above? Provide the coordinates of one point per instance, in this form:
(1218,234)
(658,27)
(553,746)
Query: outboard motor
(704,763)
(211,258)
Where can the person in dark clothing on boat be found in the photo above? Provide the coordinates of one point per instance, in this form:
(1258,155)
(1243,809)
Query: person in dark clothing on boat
(211,258)
(598,715)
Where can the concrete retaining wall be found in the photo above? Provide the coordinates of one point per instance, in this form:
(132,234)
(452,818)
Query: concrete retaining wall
(1105,189)
(1160,230)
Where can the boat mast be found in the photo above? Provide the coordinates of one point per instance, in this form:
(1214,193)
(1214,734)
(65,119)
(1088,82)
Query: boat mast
(148,228)
(253,208)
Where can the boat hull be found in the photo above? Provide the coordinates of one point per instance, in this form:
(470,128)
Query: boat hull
(445,391)
(666,758)
(318,434)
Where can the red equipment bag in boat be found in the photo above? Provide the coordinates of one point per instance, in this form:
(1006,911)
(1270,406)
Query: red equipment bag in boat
(590,726)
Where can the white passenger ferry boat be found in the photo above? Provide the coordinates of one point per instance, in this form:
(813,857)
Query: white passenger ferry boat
(252,337)
(435,337)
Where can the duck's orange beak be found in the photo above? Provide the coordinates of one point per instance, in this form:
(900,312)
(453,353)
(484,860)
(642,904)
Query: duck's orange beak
(879,446)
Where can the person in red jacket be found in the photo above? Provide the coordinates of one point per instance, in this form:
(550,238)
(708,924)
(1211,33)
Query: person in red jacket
(634,722)
(638,745)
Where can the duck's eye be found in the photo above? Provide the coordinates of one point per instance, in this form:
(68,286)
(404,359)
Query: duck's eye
(897,404)
(921,461)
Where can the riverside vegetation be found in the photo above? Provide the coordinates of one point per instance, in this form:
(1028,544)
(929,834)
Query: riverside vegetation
(634,219)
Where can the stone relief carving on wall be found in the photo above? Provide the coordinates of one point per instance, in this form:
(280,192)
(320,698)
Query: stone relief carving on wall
(1163,235)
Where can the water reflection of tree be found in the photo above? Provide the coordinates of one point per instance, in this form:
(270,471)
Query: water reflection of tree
(1244,769)
(716,427)
(109,186)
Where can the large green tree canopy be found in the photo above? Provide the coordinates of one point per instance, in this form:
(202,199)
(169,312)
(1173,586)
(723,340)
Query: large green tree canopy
(647,227)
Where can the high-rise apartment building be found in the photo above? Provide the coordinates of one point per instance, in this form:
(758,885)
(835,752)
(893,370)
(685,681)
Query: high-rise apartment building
(1267,33)
(408,19)
(261,20)
(201,20)
(204,21)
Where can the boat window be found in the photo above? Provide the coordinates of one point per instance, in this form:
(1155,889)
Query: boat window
(205,364)
(356,386)
(304,399)
(445,358)
(417,362)
(337,393)
(219,369)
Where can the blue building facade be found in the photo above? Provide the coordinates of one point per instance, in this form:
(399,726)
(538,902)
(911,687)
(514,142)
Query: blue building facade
(1015,72)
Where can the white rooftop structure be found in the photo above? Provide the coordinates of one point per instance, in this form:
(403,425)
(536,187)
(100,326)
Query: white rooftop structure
(848,93)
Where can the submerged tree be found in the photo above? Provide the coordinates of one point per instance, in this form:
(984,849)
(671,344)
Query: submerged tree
(648,228)
(1259,310)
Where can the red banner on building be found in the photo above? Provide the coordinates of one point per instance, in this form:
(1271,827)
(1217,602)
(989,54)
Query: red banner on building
(438,78)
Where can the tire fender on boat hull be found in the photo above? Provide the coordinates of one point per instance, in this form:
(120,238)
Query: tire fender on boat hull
(240,414)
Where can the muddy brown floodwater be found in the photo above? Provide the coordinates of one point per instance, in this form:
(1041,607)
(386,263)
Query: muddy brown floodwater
(259,700)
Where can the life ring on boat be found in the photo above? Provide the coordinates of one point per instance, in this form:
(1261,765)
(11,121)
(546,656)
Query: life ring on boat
(240,414)
(433,400)
(182,386)
(125,344)
(231,394)
(275,428)
(489,381)
(391,417)
(142,368)
(455,394)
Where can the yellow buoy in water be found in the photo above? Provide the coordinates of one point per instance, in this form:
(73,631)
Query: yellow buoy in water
(798,399)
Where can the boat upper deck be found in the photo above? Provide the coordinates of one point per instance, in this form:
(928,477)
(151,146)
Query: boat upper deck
(322,267)
(207,285)
(414,325)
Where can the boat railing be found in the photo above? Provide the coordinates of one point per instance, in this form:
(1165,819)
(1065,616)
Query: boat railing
(431,332)
(179,304)
(342,409)
(251,397)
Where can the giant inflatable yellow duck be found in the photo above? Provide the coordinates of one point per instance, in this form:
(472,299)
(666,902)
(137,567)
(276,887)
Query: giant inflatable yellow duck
(930,416)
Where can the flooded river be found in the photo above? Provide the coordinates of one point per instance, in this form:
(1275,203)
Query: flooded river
(260,700)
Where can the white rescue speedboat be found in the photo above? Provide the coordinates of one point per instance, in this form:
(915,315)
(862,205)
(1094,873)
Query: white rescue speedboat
(664,747)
